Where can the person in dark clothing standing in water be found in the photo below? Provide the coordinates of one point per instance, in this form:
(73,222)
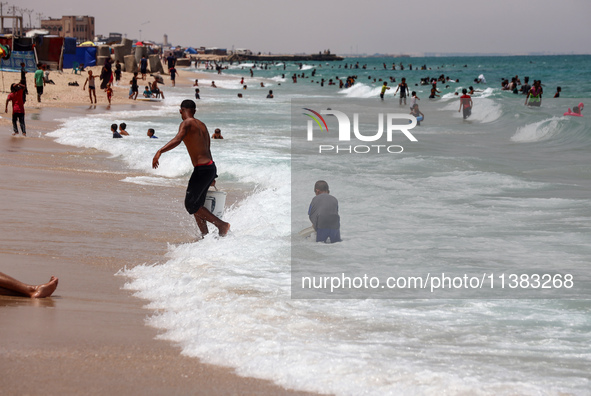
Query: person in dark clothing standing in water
(324,214)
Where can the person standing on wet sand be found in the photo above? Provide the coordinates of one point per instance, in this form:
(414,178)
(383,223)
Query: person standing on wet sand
(18,108)
(91,86)
(133,91)
(195,135)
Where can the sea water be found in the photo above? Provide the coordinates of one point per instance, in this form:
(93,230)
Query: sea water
(509,187)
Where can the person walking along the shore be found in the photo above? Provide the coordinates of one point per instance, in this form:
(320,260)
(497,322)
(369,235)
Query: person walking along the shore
(91,86)
(18,107)
(39,81)
(194,134)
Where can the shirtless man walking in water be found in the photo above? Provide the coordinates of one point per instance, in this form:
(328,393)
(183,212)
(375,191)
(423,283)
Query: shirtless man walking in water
(196,138)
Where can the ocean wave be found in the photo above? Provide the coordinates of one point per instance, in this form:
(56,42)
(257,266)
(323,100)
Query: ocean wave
(360,90)
(484,110)
(538,131)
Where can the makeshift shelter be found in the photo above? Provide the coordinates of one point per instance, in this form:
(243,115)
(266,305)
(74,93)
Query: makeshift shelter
(14,63)
(85,55)
(78,55)
(22,44)
(18,56)
(49,49)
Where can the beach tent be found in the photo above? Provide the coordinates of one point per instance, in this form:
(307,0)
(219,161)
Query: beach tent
(191,50)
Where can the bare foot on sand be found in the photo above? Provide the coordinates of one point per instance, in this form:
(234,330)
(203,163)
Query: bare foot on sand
(45,290)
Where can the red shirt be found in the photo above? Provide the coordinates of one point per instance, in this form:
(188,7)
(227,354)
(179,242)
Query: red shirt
(18,105)
(466,100)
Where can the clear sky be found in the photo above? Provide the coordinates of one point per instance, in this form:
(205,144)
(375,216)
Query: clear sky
(343,26)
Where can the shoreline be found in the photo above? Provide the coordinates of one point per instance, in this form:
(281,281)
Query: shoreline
(90,336)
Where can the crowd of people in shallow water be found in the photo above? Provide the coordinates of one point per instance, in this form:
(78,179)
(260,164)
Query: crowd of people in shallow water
(120,130)
(533,93)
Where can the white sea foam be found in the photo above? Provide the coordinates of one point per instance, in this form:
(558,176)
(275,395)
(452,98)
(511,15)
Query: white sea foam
(227,301)
(538,131)
(360,90)
(484,110)
(278,79)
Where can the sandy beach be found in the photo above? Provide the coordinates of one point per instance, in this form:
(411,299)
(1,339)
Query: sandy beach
(67,214)
(62,95)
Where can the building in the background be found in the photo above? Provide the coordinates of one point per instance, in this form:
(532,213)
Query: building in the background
(213,51)
(79,27)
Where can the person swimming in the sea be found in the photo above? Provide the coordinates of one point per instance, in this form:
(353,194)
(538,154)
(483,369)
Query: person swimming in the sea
(576,111)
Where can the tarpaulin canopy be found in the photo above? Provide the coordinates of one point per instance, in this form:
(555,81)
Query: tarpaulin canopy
(23,44)
(37,32)
(70,45)
(85,55)
(50,49)
(191,50)
(14,63)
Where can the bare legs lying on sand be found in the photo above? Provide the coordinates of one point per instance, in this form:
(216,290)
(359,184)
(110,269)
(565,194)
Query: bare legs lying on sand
(12,287)
(203,215)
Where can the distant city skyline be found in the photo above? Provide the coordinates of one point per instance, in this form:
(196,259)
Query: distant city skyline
(344,27)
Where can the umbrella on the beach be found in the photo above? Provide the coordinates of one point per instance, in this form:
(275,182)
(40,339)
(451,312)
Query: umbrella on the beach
(139,43)
(158,78)
(87,44)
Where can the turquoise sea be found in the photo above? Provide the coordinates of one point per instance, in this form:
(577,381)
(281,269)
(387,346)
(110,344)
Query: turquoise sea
(508,190)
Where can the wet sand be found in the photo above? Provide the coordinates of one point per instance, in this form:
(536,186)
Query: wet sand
(66,213)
